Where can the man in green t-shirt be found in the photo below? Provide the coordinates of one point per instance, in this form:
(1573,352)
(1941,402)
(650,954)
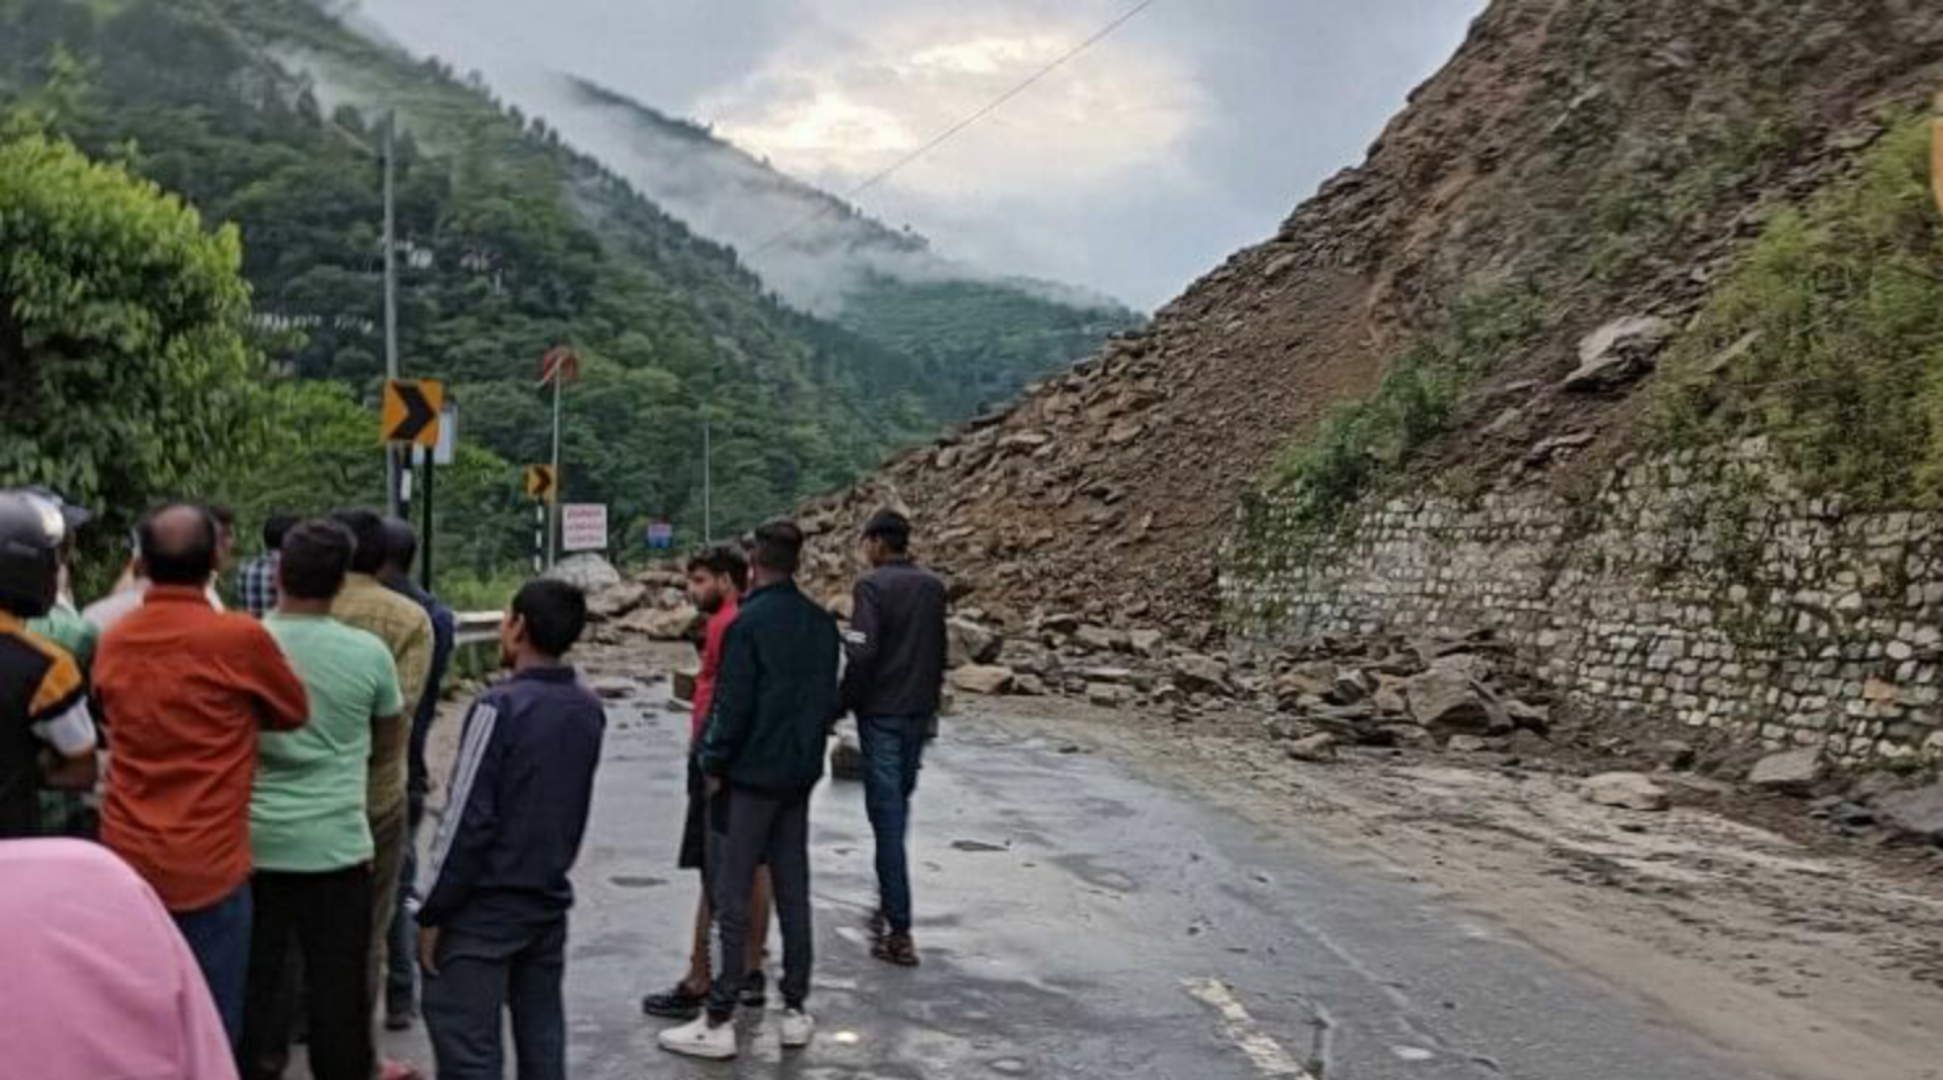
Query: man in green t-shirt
(310,840)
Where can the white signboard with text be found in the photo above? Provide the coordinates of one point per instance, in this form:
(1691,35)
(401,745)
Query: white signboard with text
(583,527)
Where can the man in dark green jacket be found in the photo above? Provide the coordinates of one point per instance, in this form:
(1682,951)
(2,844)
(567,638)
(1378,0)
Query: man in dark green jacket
(762,751)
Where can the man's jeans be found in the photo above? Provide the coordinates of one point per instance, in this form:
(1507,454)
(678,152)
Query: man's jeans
(479,979)
(746,828)
(401,976)
(893,749)
(219,936)
(327,917)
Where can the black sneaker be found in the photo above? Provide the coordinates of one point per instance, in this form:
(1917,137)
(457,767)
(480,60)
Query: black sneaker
(681,1003)
(755,991)
(880,923)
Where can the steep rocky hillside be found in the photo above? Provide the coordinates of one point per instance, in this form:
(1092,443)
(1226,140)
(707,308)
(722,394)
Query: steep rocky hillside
(1577,162)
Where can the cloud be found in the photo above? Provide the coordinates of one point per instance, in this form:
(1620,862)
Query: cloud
(1192,131)
(847,115)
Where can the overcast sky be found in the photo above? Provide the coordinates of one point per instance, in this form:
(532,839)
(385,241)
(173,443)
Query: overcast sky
(1191,132)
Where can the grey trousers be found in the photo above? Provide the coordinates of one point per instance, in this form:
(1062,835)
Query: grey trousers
(747,829)
(480,982)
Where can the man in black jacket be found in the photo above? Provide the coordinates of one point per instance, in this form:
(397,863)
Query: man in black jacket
(896,647)
(762,751)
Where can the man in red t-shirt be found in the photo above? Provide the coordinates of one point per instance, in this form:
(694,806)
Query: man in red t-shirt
(716,579)
(185,689)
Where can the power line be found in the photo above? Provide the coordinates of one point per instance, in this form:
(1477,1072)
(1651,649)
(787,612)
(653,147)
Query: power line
(945,136)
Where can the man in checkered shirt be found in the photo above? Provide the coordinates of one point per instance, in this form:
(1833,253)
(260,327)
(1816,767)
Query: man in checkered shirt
(256,583)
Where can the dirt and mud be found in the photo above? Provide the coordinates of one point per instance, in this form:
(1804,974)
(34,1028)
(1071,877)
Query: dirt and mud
(1806,955)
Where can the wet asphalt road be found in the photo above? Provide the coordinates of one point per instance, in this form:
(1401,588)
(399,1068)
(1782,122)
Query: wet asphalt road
(1076,922)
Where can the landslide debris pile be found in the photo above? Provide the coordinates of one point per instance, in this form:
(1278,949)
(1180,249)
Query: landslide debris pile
(1382,694)
(1590,165)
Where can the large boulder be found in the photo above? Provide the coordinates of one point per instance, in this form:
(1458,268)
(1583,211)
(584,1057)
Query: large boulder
(1618,353)
(1101,639)
(1448,698)
(971,643)
(1318,748)
(612,603)
(1195,673)
(1918,811)
(662,624)
(1795,772)
(588,572)
(1626,790)
(982,679)
(1107,695)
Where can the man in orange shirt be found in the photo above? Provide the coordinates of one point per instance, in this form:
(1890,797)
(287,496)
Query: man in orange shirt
(185,689)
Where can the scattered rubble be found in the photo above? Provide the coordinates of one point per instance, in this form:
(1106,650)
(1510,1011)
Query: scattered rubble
(591,572)
(1917,812)
(983,679)
(1619,353)
(1316,748)
(1626,790)
(1791,772)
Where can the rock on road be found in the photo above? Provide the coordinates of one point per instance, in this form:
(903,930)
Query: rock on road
(1077,922)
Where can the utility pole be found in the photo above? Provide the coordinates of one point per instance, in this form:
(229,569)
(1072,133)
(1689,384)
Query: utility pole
(392,502)
(708,483)
(553,507)
(425,531)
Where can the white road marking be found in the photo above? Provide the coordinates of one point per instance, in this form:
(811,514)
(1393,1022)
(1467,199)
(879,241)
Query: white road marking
(1268,1056)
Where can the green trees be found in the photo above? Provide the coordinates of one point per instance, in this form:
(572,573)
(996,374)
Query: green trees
(123,352)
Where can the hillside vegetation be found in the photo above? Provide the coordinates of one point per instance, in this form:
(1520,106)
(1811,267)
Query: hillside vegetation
(1827,338)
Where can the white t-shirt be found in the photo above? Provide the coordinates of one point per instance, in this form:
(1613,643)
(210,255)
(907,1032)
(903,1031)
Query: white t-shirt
(115,607)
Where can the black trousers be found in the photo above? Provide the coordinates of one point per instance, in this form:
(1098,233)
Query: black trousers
(745,829)
(328,918)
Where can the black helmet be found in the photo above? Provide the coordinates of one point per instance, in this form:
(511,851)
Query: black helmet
(31,531)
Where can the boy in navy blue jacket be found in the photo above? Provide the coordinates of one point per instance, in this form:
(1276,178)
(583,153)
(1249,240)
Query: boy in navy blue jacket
(493,925)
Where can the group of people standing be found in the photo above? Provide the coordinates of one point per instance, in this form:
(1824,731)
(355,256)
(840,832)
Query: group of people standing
(265,781)
(776,676)
(263,773)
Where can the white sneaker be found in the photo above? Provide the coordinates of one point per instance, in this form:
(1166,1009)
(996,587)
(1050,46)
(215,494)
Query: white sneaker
(797,1027)
(699,1039)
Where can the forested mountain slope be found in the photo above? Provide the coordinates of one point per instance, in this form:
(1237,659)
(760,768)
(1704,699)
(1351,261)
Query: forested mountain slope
(978,337)
(264,113)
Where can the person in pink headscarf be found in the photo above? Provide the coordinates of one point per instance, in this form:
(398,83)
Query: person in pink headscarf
(110,989)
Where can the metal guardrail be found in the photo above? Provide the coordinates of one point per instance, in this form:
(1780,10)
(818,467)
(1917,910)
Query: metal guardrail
(477,627)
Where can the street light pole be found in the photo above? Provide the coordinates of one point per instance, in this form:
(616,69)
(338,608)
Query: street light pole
(392,501)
